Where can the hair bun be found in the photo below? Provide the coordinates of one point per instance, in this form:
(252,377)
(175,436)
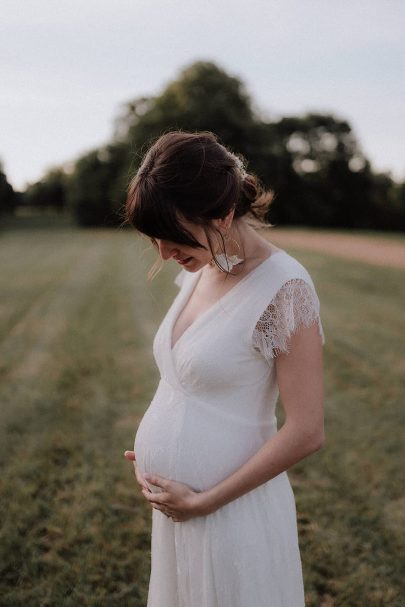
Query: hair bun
(240,165)
(247,196)
(254,199)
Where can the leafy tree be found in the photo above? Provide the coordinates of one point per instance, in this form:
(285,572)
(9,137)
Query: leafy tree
(49,192)
(91,187)
(203,97)
(7,194)
(387,203)
(324,178)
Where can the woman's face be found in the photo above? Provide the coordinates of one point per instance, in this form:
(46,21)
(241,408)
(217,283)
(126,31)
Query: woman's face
(192,259)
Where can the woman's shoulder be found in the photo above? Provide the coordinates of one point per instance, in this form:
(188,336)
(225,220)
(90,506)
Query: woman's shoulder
(288,300)
(281,268)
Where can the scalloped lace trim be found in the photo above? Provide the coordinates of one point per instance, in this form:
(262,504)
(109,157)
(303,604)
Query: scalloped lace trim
(296,304)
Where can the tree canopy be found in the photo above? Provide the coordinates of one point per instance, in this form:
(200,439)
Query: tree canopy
(313,162)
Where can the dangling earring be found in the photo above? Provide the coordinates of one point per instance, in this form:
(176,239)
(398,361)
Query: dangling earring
(227,262)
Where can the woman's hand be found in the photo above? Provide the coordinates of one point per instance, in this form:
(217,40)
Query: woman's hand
(176,500)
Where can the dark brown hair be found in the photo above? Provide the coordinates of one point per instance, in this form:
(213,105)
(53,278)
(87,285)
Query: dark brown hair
(194,176)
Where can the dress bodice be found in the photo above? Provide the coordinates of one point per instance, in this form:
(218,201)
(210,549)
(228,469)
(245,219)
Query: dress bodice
(232,343)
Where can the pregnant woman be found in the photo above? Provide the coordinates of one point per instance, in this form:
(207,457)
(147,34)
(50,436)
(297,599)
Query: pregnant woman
(243,329)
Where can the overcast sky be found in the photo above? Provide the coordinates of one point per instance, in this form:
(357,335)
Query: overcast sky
(67,66)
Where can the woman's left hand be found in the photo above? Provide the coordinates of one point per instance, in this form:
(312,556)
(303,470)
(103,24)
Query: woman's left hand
(176,500)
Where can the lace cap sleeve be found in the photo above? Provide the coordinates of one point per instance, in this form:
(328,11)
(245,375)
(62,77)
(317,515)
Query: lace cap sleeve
(179,278)
(296,304)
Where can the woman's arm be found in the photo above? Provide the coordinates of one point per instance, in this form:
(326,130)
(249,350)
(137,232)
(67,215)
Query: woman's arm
(300,381)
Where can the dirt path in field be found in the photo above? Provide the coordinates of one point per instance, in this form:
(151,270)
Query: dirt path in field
(370,249)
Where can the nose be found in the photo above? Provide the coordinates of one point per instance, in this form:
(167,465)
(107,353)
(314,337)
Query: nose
(166,248)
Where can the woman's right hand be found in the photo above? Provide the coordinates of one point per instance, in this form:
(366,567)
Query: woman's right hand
(130,456)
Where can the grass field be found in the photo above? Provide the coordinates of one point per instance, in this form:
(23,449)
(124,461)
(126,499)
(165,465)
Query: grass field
(77,320)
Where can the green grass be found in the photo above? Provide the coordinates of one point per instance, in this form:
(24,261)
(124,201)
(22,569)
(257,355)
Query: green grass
(77,320)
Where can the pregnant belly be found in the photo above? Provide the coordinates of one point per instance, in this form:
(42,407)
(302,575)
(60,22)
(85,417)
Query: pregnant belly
(183,439)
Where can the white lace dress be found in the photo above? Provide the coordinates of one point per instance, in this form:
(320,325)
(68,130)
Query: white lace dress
(213,409)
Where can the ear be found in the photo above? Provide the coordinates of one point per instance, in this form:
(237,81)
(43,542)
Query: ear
(224,223)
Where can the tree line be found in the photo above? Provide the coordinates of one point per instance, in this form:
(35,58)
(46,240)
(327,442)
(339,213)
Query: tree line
(313,162)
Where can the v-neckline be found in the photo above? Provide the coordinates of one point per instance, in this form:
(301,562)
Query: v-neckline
(193,284)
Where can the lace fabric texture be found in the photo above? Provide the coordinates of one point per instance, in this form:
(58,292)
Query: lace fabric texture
(295,305)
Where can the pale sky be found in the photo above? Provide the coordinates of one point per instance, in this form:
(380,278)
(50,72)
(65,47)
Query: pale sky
(68,65)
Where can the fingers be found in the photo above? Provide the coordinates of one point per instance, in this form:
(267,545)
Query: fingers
(141,480)
(162,503)
(162,508)
(167,512)
(158,503)
(159,481)
(156,498)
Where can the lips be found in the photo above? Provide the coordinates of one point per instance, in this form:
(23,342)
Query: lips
(182,261)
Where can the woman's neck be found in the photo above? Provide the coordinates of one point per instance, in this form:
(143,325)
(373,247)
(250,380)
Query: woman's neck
(253,247)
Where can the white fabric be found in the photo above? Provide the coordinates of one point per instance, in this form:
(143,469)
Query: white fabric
(295,305)
(213,409)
